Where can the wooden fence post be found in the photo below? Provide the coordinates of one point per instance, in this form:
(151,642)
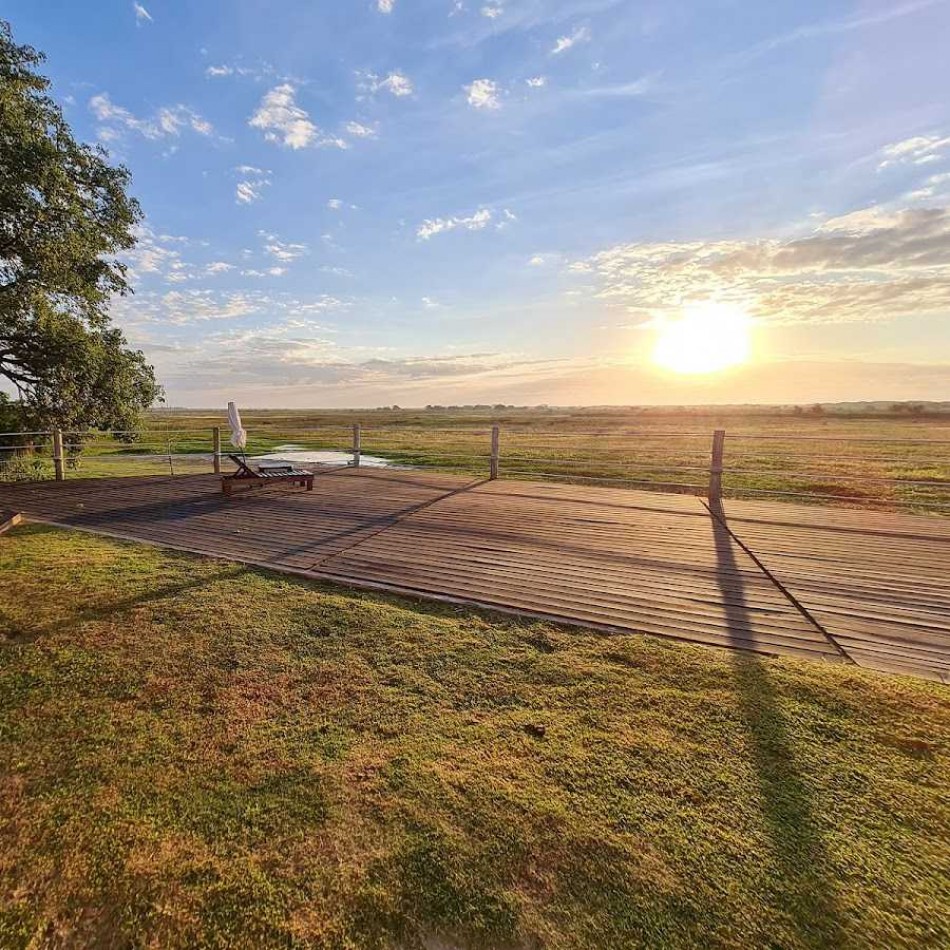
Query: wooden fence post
(495,453)
(59,460)
(357,444)
(216,448)
(715,467)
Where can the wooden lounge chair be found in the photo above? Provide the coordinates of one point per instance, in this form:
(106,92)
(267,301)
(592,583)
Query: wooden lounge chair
(246,478)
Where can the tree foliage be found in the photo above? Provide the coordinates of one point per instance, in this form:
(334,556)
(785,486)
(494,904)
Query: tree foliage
(64,217)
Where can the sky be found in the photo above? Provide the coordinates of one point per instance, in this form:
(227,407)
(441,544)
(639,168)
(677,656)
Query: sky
(372,202)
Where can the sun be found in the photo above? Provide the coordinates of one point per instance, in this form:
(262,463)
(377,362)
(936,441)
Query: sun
(708,337)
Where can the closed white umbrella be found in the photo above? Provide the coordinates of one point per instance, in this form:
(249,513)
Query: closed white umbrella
(238,432)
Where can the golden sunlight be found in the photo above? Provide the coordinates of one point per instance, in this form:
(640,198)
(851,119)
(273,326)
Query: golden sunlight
(708,337)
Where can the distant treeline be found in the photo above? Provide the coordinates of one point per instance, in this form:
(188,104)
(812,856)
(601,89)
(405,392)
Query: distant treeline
(903,409)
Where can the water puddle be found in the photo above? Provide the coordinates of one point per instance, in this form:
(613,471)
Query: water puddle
(298,454)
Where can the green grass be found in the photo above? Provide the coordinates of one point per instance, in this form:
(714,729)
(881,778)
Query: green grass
(197,754)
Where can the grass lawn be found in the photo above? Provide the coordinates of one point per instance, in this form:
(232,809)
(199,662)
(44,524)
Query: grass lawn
(197,754)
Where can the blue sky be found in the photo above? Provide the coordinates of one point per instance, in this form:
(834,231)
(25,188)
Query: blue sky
(427,201)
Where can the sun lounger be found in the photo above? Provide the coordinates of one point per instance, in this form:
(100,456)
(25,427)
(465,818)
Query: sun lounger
(246,478)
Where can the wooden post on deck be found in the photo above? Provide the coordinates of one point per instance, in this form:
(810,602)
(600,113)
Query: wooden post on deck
(715,467)
(216,448)
(495,453)
(59,460)
(357,444)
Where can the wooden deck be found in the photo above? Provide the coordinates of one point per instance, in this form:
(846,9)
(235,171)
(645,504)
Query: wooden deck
(843,586)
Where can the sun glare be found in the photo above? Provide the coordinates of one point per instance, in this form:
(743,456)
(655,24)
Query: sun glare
(706,338)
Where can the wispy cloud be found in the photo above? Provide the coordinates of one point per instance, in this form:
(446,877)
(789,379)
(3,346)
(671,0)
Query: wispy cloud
(167,121)
(281,250)
(251,186)
(623,90)
(868,265)
(477,221)
(919,150)
(360,131)
(269,272)
(537,82)
(474,222)
(564,43)
(141,14)
(931,186)
(492,11)
(846,24)
(483,94)
(284,122)
(396,83)
(385,6)
(223,70)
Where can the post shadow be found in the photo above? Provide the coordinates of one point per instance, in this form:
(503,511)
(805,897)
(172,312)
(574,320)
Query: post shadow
(806,894)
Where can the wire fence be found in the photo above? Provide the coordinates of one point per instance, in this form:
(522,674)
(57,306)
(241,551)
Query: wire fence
(864,471)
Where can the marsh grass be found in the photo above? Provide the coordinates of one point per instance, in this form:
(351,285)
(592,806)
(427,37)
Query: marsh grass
(193,753)
(844,459)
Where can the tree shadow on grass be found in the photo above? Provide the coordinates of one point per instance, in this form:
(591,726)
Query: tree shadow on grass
(805,892)
(104,611)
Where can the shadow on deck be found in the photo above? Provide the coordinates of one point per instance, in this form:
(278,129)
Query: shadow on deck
(767,579)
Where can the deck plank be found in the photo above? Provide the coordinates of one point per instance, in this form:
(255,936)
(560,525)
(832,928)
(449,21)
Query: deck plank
(878,583)
(608,558)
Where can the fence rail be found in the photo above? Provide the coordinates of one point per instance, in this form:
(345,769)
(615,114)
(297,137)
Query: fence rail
(884,472)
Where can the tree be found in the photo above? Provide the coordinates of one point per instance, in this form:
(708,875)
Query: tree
(64,218)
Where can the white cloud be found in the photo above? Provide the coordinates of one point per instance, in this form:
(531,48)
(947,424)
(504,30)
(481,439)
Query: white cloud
(152,253)
(919,150)
(283,121)
(872,264)
(179,307)
(187,306)
(475,222)
(335,204)
(218,267)
(931,186)
(260,71)
(360,131)
(247,192)
(483,94)
(396,83)
(141,14)
(564,43)
(280,250)
(508,217)
(536,82)
(168,121)
(539,260)
(430,303)
(251,186)
(385,6)
(492,11)
(270,272)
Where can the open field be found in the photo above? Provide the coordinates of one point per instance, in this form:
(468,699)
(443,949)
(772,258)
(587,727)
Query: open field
(194,753)
(863,460)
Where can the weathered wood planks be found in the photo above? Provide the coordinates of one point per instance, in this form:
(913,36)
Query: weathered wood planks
(767,577)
